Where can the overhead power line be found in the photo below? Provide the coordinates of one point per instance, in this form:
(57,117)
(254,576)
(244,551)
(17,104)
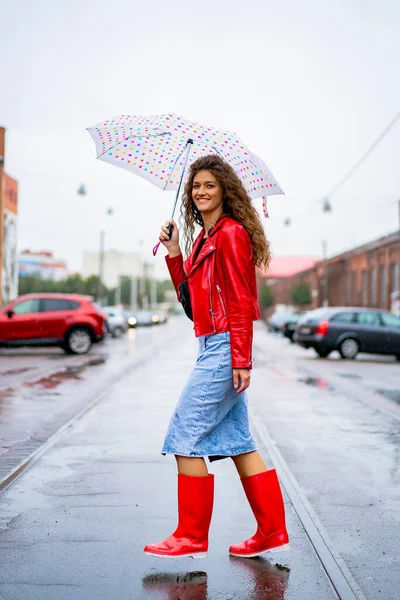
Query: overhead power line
(364,157)
(352,171)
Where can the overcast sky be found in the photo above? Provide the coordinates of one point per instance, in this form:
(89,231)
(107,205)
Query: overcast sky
(307,85)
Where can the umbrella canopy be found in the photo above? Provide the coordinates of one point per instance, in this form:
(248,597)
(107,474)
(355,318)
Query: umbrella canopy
(156,148)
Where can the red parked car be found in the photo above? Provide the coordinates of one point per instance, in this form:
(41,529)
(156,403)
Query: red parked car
(70,321)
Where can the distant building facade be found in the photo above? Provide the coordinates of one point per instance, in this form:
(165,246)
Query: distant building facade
(8,230)
(115,265)
(364,276)
(42,264)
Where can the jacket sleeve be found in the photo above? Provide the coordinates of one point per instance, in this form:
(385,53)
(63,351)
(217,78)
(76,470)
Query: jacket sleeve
(176,271)
(235,257)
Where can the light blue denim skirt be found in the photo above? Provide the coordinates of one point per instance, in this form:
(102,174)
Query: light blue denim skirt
(210,419)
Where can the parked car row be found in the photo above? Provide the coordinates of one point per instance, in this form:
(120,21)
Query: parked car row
(349,330)
(70,321)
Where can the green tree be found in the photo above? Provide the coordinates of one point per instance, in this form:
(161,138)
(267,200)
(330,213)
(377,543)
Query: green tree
(162,287)
(29,284)
(301,294)
(266,297)
(90,286)
(73,285)
(125,290)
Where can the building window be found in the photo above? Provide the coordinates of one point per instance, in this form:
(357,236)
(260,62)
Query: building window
(364,288)
(373,287)
(394,277)
(382,280)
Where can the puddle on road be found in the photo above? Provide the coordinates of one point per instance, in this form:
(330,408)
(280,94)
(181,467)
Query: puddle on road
(349,375)
(72,373)
(52,381)
(257,578)
(16,371)
(316,382)
(391,394)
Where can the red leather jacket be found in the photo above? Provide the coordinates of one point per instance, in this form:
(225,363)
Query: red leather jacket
(222,285)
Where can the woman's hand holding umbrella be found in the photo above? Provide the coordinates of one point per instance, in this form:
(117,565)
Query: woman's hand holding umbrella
(170,237)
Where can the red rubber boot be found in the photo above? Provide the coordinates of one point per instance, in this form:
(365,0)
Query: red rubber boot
(265,498)
(195,506)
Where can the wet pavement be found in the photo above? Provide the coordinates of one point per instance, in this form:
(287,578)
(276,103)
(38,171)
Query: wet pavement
(41,389)
(74,524)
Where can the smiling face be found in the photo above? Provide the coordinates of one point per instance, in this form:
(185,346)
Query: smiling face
(207,193)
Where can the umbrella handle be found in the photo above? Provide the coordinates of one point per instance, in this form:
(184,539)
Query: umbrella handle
(155,249)
(170,228)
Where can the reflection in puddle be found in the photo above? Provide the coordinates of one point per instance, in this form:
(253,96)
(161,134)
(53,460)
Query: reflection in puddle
(69,373)
(262,581)
(266,581)
(6,393)
(173,586)
(52,381)
(17,371)
(316,382)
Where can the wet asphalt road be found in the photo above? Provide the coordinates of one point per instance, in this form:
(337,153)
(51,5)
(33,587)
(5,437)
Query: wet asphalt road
(73,525)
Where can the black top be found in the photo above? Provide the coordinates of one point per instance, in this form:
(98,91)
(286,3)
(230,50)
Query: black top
(198,249)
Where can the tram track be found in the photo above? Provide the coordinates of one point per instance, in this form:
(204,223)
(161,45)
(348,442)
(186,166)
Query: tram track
(367,397)
(342,581)
(88,404)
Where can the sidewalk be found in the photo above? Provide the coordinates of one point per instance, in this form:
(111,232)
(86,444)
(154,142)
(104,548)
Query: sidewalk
(74,525)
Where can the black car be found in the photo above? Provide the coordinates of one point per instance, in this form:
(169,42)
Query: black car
(276,321)
(350,331)
(290,324)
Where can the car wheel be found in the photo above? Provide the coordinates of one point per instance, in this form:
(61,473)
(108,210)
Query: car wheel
(78,341)
(349,348)
(323,353)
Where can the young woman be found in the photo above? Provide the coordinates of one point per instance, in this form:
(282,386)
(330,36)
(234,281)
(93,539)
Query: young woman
(211,418)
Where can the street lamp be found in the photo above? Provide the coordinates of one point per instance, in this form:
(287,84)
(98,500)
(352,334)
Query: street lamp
(109,212)
(82,191)
(326,208)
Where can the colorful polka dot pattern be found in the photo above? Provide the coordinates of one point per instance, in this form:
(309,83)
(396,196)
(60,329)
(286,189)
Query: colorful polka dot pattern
(154,148)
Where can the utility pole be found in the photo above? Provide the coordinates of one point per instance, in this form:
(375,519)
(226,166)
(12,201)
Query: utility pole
(2,203)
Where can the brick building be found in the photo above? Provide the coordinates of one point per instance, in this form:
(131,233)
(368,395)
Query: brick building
(8,230)
(364,276)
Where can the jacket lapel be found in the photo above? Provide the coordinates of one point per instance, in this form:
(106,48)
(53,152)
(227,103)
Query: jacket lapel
(208,248)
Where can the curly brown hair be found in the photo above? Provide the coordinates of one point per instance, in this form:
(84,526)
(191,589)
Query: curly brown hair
(236,204)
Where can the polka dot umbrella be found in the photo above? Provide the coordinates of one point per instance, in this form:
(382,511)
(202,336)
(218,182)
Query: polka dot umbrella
(160,149)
